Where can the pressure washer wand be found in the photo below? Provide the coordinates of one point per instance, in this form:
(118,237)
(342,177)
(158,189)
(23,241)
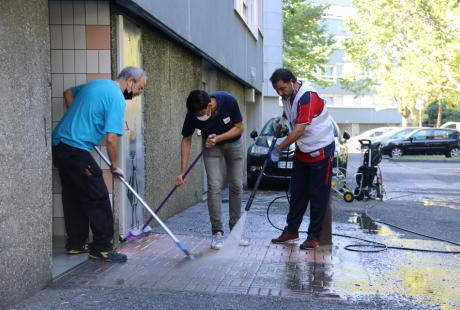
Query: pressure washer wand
(259,178)
(174,188)
(179,244)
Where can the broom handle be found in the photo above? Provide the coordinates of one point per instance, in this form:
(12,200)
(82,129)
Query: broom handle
(140,199)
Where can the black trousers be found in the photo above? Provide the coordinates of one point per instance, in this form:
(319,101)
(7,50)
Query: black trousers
(85,198)
(310,183)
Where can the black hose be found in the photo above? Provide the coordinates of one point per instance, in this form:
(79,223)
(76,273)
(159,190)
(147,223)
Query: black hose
(373,246)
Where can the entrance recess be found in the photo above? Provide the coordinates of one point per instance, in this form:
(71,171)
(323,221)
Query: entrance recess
(132,142)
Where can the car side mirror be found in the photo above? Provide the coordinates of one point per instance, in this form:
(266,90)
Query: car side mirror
(253,134)
(411,139)
(346,135)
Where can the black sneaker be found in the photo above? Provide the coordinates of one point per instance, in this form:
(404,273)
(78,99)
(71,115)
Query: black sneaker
(109,256)
(77,250)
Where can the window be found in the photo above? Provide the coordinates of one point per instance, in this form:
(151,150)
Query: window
(401,134)
(443,134)
(248,11)
(328,73)
(338,71)
(269,128)
(329,100)
(376,134)
(422,135)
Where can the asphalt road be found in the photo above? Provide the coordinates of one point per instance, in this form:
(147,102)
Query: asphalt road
(138,298)
(420,196)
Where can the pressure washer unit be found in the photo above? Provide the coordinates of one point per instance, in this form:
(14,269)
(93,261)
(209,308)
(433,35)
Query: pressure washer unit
(369,176)
(339,181)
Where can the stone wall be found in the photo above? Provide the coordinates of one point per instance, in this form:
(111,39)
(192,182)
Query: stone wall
(172,73)
(25,150)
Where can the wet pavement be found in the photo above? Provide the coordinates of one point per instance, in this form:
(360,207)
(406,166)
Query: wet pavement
(248,277)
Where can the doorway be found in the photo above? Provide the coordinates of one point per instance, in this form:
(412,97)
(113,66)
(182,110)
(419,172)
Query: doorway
(131,213)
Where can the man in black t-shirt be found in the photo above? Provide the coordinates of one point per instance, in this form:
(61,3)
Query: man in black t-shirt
(218,117)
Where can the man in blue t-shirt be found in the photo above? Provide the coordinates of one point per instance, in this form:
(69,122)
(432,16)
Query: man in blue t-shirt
(218,117)
(95,112)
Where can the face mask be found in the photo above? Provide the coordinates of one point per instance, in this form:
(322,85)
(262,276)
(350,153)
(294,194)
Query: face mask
(203,118)
(128,95)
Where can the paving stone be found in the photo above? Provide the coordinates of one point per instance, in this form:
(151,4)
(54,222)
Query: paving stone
(261,269)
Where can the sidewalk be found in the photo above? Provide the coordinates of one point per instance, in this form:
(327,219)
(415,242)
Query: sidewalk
(327,277)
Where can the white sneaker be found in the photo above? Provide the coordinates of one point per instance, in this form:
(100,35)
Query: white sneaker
(217,241)
(244,241)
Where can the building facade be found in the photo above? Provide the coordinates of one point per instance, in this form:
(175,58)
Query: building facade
(49,46)
(352,113)
(273,58)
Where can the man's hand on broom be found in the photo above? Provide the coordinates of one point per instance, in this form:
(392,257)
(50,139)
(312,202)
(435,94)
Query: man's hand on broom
(118,172)
(180,180)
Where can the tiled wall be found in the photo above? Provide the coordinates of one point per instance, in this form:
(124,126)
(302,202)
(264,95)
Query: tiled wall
(80,52)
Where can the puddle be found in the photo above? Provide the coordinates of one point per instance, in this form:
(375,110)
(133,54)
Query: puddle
(366,223)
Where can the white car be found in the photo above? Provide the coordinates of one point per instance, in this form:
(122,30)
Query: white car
(451,125)
(371,134)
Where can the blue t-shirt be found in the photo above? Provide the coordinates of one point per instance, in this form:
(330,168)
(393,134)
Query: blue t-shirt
(228,114)
(98,108)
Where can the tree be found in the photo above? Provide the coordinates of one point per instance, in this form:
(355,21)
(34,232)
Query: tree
(306,45)
(406,50)
(449,113)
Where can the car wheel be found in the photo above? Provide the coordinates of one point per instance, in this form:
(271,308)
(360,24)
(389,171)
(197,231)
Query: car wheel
(396,152)
(454,152)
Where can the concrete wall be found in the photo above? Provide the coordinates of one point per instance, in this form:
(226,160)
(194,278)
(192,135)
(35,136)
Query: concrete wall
(224,82)
(273,59)
(271,108)
(172,73)
(212,27)
(250,111)
(273,42)
(25,157)
(365,115)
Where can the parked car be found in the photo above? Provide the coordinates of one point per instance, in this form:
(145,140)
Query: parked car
(375,132)
(281,171)
(370,134)
(425,141)
(451,125)
(395,134)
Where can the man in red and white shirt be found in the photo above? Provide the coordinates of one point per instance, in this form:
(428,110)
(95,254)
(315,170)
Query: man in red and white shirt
(312,132)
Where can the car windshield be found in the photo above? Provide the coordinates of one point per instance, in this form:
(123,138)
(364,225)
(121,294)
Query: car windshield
(401,134)
(375,133)
(269,128)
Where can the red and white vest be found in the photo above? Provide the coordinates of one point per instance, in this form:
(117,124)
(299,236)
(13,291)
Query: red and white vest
(319,133)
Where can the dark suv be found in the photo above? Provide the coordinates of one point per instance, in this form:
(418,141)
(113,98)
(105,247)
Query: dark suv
(425,141)
(281,170)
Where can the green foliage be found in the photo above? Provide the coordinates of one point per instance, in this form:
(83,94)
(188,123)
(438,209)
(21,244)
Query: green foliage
(306,45)
(450,113)
(405,50)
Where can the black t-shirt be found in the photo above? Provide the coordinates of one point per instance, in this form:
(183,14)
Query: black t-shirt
(228,114)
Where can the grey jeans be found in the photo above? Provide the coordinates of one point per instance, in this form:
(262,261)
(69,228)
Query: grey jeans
(232,155)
